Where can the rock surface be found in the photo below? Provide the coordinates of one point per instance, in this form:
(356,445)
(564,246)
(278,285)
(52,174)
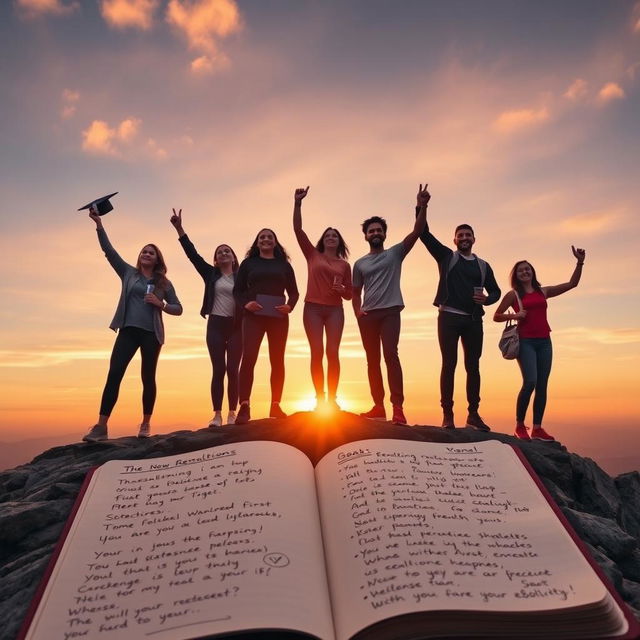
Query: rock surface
(36,498)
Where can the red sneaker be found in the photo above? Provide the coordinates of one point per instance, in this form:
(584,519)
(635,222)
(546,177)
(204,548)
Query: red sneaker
(522,432)
(377,412)
(398,415)
(538,433)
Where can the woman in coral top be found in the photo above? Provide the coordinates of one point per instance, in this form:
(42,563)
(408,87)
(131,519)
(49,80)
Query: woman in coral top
(535,353)
(329,282)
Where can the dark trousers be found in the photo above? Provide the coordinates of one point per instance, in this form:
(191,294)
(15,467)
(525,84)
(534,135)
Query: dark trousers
(534,357)
(451,328)
(318,319)
(253,330)
(382,326)
(224,341)
(129,340)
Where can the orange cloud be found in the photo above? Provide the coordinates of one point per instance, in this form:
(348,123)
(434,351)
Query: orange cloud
(100,138)
(35,8)
(511,121)
(203,22)
(69,103)
(611,91)
(129,13)
(576,90)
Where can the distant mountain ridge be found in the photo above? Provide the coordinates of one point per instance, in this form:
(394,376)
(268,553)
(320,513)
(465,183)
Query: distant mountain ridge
(36,498)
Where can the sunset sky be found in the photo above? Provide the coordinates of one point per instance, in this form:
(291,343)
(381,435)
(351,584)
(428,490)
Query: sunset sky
(521,115)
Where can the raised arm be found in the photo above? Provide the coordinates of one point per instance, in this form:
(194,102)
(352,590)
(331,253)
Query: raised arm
(303,239)
(558,289)
(422,200)
(201,265)
(113,257)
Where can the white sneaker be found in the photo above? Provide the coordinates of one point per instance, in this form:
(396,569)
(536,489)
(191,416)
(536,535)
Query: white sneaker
(144,431)
(97,433)
(231,418)
(216,421)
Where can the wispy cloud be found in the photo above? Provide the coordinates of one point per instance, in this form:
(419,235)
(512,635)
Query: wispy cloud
(577,90)
(592,222)
(610,337)
(70,100)
(129,13)
(203,23)
(519,119)
(36,8)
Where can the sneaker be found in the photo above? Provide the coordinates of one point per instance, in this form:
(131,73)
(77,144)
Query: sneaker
(522,432)
(96,434)
(476,422)
(447,420)
(398,415)
(244,414)
(377,412)
(231,417)
(144,430)
(538,433)
(216,421)
(276,411)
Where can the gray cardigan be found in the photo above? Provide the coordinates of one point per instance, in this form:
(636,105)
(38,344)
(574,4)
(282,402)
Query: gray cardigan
(129,275)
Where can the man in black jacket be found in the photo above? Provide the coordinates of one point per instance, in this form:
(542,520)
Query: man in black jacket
(460,298)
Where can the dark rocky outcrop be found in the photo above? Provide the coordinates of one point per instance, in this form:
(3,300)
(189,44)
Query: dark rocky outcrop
(36,498)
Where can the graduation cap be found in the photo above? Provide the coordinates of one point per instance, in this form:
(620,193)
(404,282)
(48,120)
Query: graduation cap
(101,205)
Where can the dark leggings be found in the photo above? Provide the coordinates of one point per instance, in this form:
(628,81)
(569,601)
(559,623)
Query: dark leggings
(129,340)
(534,358)
(224,341)
(451,328)
(318,318)
(253,330)
(376,327)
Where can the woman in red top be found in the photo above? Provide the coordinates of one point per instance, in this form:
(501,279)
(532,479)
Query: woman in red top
(329,282)
(535,352)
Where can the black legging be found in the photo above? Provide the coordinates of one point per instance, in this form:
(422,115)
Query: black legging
(127,343)
(253,330)
(224,341)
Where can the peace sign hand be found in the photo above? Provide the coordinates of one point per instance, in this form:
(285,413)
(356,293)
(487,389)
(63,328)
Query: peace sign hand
(423,196)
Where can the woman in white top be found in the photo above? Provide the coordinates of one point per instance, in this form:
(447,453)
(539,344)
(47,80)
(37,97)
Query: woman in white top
(224,326)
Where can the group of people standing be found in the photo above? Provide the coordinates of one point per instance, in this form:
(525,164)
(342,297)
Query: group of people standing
(244,301)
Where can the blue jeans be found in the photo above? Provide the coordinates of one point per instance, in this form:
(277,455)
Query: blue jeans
(534,359)
(318,319)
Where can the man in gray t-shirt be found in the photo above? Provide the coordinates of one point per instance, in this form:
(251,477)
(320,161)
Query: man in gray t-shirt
(378,273)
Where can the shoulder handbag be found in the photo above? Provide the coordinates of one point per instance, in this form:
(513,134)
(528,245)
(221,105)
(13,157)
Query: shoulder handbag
(509,343)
